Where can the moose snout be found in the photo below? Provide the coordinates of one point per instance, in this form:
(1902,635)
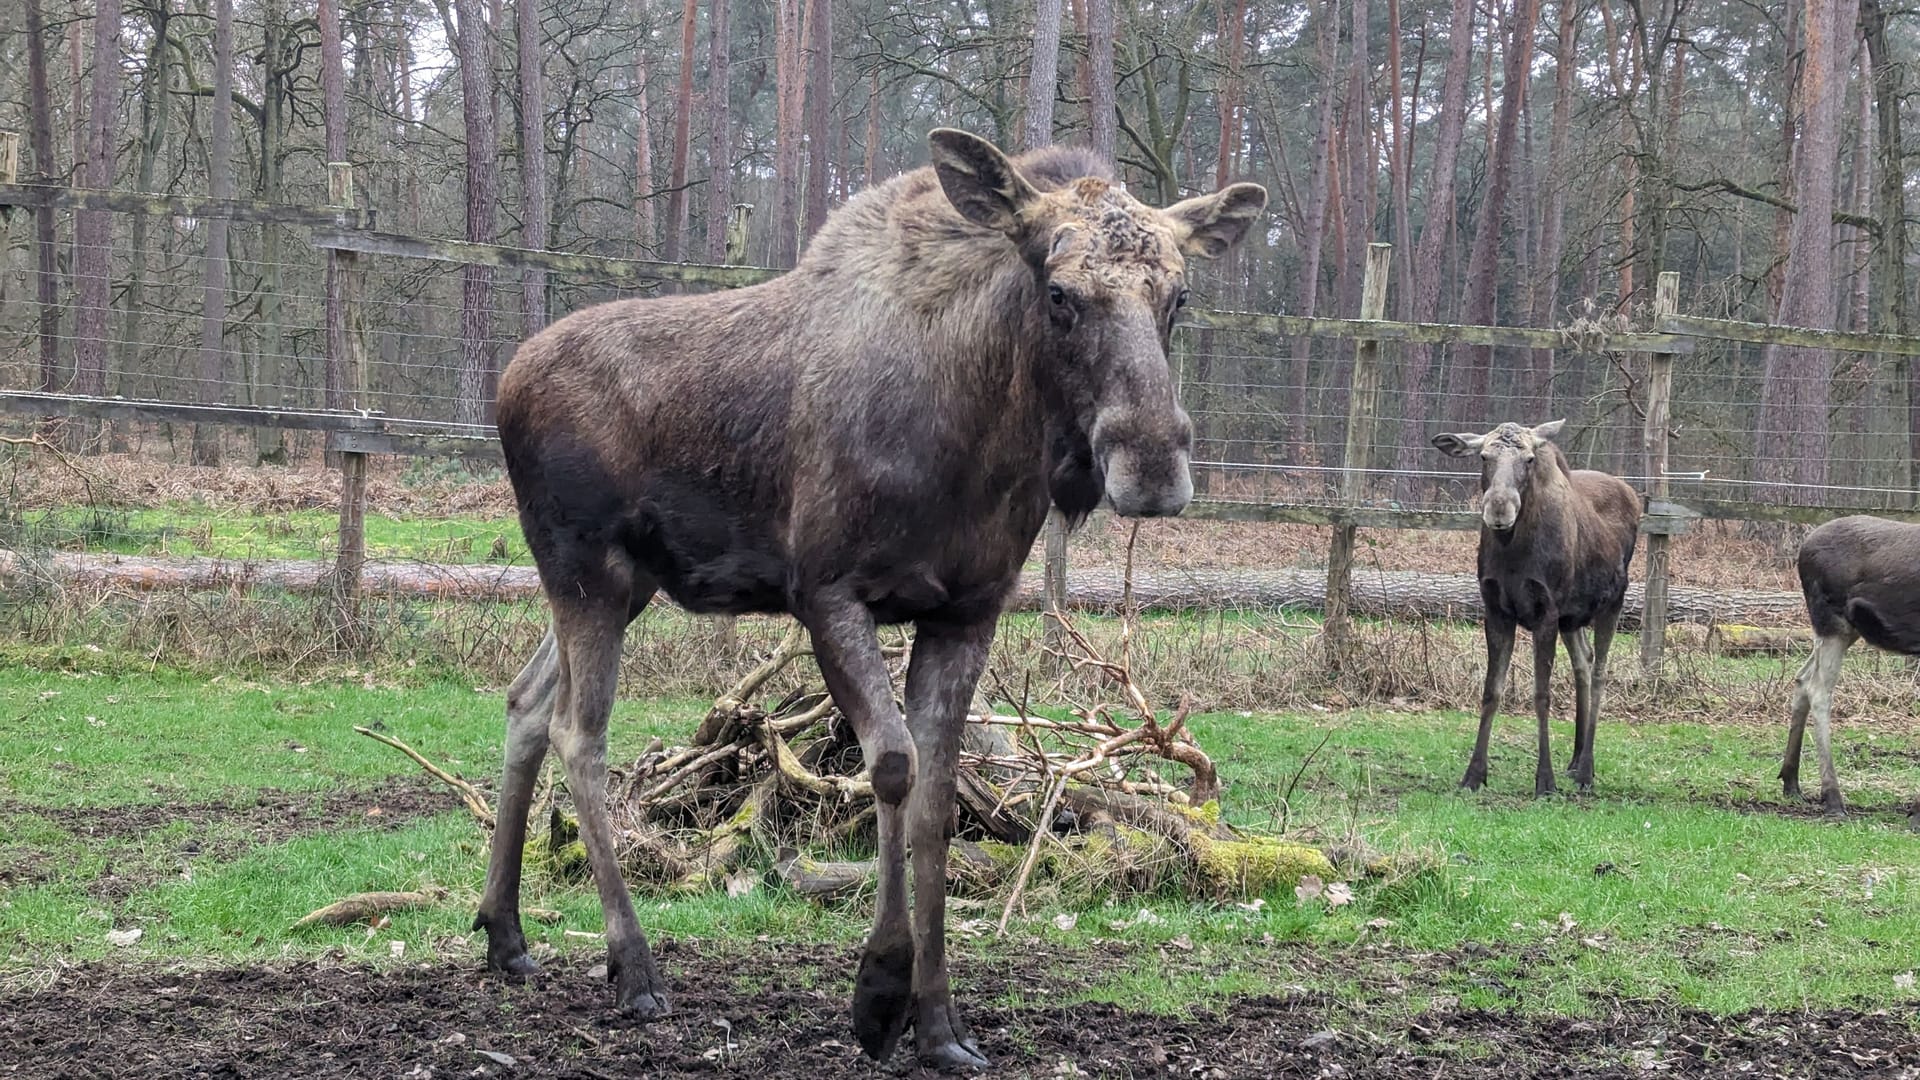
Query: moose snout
(1148,471)
(1499,510)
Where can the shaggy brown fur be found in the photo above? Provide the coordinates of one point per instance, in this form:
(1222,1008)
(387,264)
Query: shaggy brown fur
(872,438)
(1861,578)
(1555,544)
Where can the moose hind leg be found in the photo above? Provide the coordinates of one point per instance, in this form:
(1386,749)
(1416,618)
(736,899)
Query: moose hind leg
(529,707)
(1797,729)
(1827,654)
(946,666)
(1580,659)
(589,633)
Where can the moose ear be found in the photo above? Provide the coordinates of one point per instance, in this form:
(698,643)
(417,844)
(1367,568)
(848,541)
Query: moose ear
(1549,429)
(1459,445)
(979,180)
(1207,225)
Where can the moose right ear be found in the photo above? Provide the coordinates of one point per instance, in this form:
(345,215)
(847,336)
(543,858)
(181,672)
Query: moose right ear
(1458,445)
(979,180)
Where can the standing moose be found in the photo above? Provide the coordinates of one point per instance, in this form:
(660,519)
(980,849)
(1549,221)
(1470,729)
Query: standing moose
(874,437)
(1555,543)
(1861,579)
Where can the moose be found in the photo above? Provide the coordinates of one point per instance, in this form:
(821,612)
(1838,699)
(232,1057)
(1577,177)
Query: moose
(874,437)
(1555,543)
(1861,579)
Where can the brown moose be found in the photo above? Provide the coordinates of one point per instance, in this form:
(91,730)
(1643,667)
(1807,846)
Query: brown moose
(874,437)
(1555,544)
(1861,579)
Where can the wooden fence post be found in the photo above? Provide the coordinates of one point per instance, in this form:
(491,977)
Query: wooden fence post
(353,463)
(10,158)
(1054,571)
(1362,406)
(1653,622)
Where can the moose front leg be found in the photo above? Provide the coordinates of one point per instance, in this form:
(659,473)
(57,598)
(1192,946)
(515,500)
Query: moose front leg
(1544,639)
(946,666)
(848,652)
(1499,655)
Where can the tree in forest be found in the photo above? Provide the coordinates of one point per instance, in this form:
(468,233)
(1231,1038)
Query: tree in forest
(719,131)
(472,404)
(1793,433)
(93,229)
(1484,263)
(819,90)
(677,226)
(788,104)
(1101,117)
(646,236)
(1043,76)
(45,239)
(533,163)
(213,299)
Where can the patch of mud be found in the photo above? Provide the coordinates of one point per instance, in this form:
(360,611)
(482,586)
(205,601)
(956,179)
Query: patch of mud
(781,1011)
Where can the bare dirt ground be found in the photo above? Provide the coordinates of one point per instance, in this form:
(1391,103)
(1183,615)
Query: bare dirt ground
(755,1013)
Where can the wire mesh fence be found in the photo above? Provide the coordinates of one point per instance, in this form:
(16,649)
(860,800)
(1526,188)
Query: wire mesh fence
(1271,411)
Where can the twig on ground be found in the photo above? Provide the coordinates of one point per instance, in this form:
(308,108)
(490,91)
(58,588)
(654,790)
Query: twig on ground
(476,804)
(359,906)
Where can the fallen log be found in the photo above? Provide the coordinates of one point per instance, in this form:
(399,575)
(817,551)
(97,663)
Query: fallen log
(1391,593)
(352,909)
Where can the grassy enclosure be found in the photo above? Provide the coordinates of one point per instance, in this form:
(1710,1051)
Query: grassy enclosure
(180,783)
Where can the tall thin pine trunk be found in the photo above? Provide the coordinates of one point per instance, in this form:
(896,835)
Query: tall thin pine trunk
(1044,77)
(1545,295)
(1435,236)
(45,238)
(1793,411)
(1313,235)
(1483,263)
(533,163)
(646,236)
(476,282)
(820,155)
(789,101)
(719,132)
(1102,121)
(93,229)
(333,96)
(213,297)
(679,238)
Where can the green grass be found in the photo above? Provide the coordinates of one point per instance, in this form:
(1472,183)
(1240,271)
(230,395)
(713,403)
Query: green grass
(1678,882)
(187,529)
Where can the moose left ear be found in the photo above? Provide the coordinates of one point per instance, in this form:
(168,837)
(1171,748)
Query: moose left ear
(1207,225)
(1549,429)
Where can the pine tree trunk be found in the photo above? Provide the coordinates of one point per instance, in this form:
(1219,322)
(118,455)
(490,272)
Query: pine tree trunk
(213,298)
(93,229)
(870,162)
(476,282)
(1553,212)
(679,235)
(1044,78)
(1890,206)
(719,133)
(820,156)
(1793,412)
(1101,118)
(156,107)
(1233,33)
(1357,208)
(1483,263)
(533,163)
(646,235)
(333,107)
(1313,237)
(45,239)
(1435,233)
(789,101)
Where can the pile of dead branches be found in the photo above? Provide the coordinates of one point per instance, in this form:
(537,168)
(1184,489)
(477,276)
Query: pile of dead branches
(1107,797)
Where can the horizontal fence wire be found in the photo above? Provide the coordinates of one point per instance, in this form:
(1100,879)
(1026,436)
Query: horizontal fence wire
(1270,413)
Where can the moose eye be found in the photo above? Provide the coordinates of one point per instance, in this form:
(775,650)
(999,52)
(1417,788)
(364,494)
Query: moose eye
(1057,294)
(1181,300)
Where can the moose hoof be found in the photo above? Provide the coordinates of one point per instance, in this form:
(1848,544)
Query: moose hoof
(1543,786)
(507,947)
(637,991)
(1833,807)
(883,996)
(1790,788)
(943,1042)
(1475,779)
